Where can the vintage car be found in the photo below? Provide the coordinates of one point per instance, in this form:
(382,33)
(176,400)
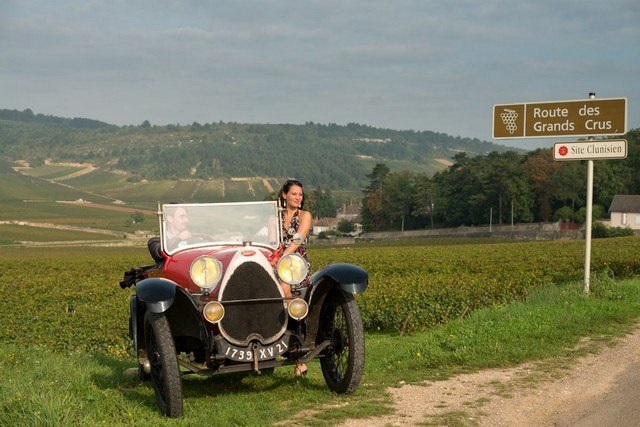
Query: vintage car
(213,303)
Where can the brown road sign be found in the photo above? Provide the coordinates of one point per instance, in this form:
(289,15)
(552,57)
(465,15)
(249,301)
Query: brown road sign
(560,118)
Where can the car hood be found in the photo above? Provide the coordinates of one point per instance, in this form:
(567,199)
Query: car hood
(176,267)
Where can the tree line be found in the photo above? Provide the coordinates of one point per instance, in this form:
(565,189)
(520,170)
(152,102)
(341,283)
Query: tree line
(497,188)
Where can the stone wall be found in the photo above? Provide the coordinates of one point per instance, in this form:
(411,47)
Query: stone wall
(535,231)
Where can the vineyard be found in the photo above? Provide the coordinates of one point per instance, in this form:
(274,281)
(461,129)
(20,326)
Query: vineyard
(69,299)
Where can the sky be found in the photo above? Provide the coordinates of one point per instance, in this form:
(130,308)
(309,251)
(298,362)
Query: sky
(423,65)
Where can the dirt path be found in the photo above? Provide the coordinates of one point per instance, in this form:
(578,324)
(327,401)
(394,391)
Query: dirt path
(118,208)
(598,389)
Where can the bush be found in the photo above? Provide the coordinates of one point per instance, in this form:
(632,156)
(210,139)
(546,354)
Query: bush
(346,226)
(564,213)
(329,234)
(599,230)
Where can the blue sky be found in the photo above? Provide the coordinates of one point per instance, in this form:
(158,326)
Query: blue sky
(422,65)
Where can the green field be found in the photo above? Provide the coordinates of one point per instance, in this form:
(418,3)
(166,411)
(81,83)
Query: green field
(52,171)
(13,234)
(98,181)
(14,186)
(116,186)
(74,215)
(33,196)
(64,346)
(412,288)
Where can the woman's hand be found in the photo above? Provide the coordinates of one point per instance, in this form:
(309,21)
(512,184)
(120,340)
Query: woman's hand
(275,256)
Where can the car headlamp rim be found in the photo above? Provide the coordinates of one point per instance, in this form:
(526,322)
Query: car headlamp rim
(298,308)
(213,312)
(292,269)
(205,272)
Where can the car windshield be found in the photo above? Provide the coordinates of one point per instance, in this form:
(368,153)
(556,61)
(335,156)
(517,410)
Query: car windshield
(205,224)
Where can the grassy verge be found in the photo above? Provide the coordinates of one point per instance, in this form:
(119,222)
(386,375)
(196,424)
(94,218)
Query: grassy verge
(41,387)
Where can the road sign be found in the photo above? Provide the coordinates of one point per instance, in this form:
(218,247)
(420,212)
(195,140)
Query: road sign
(560,118)
(590,150)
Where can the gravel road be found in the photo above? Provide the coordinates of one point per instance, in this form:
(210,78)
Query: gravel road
(599,389)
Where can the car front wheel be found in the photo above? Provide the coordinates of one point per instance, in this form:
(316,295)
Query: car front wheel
(341,324)
(165,372)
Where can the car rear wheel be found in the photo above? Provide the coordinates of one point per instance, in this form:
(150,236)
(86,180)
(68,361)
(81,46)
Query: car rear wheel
(165,372)
(343,361)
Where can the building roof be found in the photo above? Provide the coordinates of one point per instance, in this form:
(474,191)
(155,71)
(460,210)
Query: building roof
(325,222)
(625,203)
(350,210)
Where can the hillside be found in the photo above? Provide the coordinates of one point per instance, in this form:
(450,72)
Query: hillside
(327,156)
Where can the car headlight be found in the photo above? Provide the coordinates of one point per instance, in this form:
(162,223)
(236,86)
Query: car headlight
(213,311)
(205,271)
(298,308)
(292,269)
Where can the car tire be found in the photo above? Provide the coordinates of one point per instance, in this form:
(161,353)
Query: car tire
(134,334)
(165,372)
(343,361)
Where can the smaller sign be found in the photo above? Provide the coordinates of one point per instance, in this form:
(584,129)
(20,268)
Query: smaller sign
(590,150)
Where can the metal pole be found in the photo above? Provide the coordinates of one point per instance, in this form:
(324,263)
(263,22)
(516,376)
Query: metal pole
(490,218)
(432,206)
(511,214)
(587,231)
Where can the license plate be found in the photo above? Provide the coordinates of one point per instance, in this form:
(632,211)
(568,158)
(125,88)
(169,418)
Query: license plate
(249,354)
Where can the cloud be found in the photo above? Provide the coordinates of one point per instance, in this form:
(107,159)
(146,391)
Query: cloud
(423,65)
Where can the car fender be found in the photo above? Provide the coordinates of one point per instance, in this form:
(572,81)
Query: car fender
(157,294)
(350,278)
(346,278)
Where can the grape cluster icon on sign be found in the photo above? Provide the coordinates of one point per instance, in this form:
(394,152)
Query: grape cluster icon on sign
(509,117)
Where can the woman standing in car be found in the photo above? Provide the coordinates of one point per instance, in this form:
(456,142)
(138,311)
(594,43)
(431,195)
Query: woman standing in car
(296,224)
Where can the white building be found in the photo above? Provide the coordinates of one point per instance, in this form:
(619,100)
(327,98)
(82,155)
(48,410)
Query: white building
(625,211)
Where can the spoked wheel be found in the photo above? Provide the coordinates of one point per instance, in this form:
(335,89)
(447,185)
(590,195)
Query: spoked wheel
(343,361)
(165,373)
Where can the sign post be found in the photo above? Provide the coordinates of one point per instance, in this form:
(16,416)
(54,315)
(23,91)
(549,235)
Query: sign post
(570,118)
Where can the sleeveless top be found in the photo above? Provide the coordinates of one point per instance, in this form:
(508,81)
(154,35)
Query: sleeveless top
(287,237)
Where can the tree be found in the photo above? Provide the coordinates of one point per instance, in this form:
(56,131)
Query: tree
(597,212)
(373,203)
(565,213)
(346,226)
(399,197)
(540,168)
(608,180)
(322,204)
(424,197)
(569,185)
(506,185)
(460,195)
(136,218)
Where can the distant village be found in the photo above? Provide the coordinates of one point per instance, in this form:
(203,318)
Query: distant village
(350,212)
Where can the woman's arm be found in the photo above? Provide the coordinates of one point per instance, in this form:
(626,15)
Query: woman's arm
(303,228)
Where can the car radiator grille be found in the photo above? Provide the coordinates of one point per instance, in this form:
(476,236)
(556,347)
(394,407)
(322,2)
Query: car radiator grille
(247,320)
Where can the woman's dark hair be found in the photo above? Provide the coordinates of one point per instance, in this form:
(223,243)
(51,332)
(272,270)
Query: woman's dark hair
(285,189)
